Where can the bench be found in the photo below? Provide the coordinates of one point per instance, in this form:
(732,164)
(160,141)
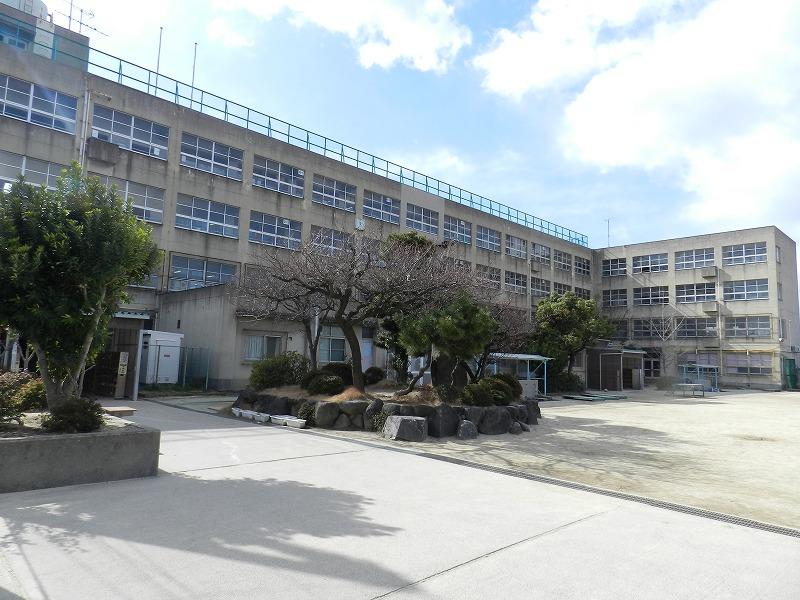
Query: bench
(689,387)
(119,411)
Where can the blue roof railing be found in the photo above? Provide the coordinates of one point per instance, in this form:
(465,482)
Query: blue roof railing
(143,79)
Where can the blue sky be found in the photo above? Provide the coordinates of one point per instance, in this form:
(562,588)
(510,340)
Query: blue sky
(668,117)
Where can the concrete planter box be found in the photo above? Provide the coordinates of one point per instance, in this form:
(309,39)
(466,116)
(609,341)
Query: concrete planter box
(46,461)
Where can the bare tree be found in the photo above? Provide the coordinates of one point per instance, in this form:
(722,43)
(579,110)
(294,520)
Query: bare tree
(662,326)
(360,279)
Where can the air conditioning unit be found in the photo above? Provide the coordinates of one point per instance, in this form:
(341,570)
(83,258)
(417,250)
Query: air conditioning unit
(711,307)
(708,272)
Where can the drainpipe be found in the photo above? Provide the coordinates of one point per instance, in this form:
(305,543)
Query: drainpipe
(87,99)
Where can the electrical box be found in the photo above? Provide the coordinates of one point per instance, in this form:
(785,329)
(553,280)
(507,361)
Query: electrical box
(161,357)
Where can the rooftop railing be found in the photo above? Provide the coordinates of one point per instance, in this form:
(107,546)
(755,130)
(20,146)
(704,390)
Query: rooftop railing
(126,73)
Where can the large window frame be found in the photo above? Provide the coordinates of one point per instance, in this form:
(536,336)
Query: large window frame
(332,345)
(650,263)
(211,156)
(560,289)
(694,259)
(37,104)
(457,230)
(562,261)
(34,170)
(695,292)
(516,283)
(381,208)
(743,363)
(651,296)
(130,132)
(696,327)
(750,326)
(487,238)
(614,267)
(488,276)
(147,201)
(277,176)
(744,254)
(258,346)
(207,216)
(331,240)
(615,297)
(540,288)
(516,247)
(745,289)
(583,267)
(422,219)
(272,230)
(334,193)
(198,272)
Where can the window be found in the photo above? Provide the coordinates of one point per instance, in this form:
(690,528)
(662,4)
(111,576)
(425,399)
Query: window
(335,193)
(190,273)
(651,328)
(780,292)
(516,247)
(37,104)
(620,329)
(746,327)
(583,266)
(207,216)
(258,346)
(332,345)
(516,282)
(613,267)
(151,281)
(615,297)
(694,259)
(645,296)
(380,207)
(740,363)
(652,367)
(699,358)
(458,230)
(650,263)
(583,293)
(36,172)
(740,254)
(129,132)
(422,219)
(278,176)
(331,239)
(695,292)
(274,231)
(210,156)
(541,254)
(778,254)
(147,201)
(488,276)
(562,261)
(487,238)
(540,288)
(749,289)
(561,288)
(696,328)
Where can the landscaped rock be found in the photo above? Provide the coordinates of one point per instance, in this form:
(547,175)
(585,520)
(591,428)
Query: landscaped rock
(326,413)
(474,413)
(515,428)
(525,426)
(357,421)
(410,429)
(392,408)
(342,422)
(406,410)
(245,399)
(424,410)
(353,407)
(444,422)
(522,413)
(374,408)
(496,420)
(532,408)
(467,430)
(277,405)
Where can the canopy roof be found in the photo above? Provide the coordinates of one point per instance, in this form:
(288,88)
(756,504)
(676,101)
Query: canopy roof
(504,356)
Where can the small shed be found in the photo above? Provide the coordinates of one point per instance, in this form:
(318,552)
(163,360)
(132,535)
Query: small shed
(615,368)
(529,369)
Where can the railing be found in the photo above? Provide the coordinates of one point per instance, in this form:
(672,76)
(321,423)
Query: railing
(143,79)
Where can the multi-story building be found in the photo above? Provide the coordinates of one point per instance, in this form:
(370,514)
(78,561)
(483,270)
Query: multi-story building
(216,179)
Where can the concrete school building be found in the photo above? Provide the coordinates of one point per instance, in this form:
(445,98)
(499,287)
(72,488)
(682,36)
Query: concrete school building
(215,179)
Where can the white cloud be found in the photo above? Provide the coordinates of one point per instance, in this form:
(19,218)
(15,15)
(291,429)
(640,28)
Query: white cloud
(708,96)
(442,163)
(423,34)
(219,30)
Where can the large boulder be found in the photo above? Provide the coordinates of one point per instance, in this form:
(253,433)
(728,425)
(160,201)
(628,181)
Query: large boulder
(406,410)
(409,429)
(474,413)
(525,426)
(342,422)
(522,412)
(392,408)
(496,420)
(277,405)
(374,408)
(353,407)
(467,430)
(424,410)
(444,421)
(326,413)
(515,428)
(357,421)
(245,399)
(532,408)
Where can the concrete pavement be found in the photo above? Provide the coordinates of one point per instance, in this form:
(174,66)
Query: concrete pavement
(246,511)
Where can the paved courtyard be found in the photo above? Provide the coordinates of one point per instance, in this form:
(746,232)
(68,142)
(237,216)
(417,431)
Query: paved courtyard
(735,452)
(247,511)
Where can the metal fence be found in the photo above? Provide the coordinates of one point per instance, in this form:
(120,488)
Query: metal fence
(143,79)
(164,366)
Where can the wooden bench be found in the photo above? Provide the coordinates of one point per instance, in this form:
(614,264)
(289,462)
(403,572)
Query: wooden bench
(119,411)
(689,387)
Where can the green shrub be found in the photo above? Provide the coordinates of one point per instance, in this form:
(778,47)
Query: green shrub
(475,394)
(76,415)
(341,370)
(306,411)
(373,375)
(500,391)
(310,376)
(326,384)
(276,371)
(516,386)
(11,383)
(446,393)
(379,420)
(567,382)
(32,396)
(10,409)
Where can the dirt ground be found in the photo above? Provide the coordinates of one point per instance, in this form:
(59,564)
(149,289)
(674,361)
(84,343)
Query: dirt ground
(735,452)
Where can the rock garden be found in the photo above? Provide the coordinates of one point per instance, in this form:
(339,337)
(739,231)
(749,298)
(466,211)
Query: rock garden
(284,390)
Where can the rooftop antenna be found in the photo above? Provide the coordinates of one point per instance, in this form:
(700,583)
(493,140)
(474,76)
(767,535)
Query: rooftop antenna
(608,233)
(194,64)
(89,14)
(158,58)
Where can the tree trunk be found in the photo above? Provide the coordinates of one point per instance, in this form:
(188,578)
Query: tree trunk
(570,362)
(412,384)
(355,353)
(312,342)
